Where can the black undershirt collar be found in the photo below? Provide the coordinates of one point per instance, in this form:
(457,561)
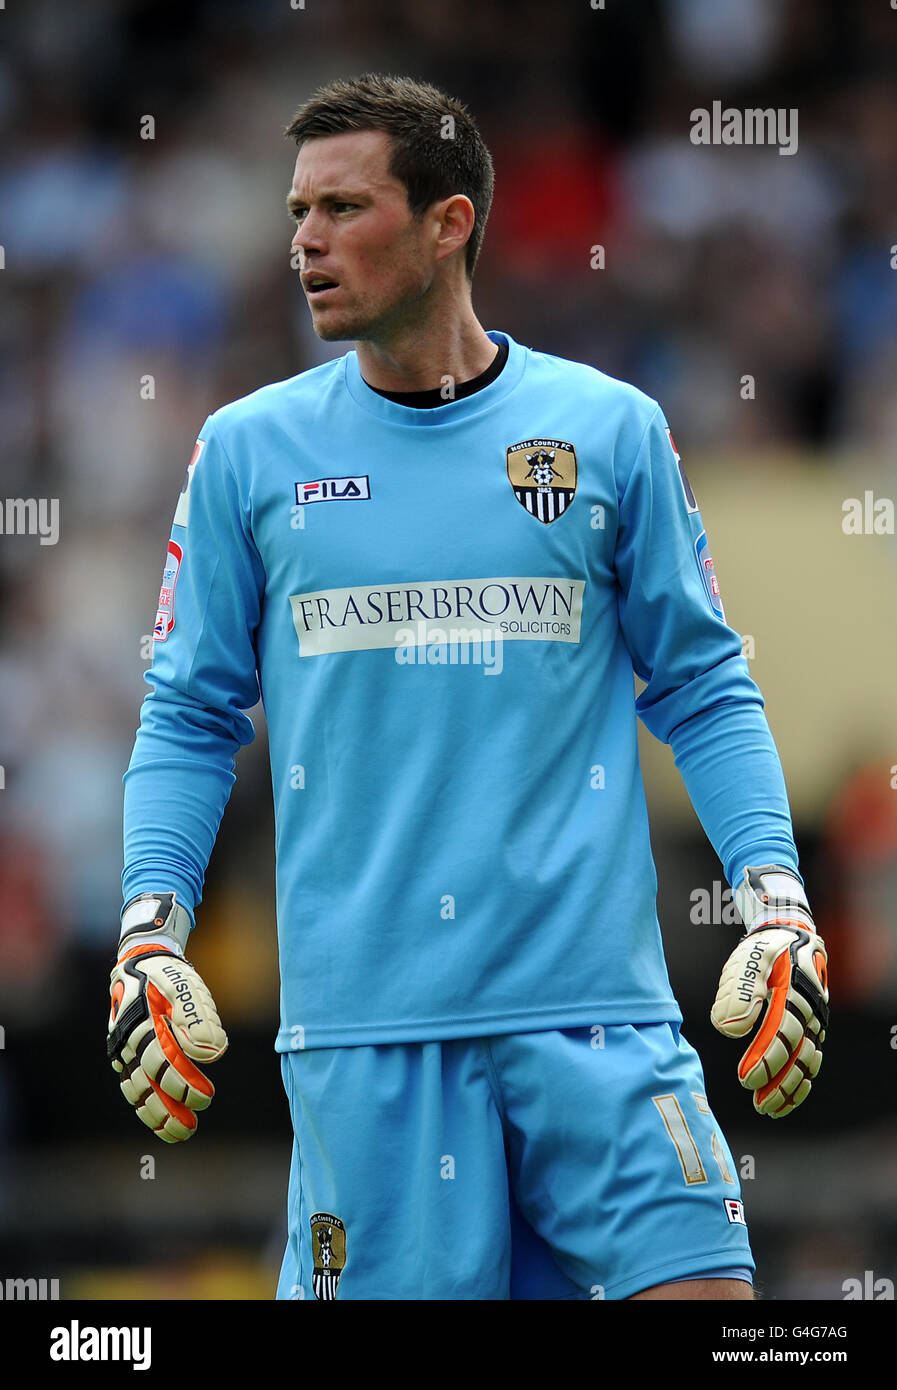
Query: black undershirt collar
(427,400)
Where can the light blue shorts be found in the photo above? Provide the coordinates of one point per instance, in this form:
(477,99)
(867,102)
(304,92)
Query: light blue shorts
(582,1163)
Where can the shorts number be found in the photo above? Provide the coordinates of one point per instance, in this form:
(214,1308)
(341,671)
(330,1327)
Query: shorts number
(684,1142)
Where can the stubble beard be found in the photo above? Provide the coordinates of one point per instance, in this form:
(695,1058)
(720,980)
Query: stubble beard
(374,326)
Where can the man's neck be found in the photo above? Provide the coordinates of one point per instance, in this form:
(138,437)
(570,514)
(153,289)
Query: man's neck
(420,358)
(460,390)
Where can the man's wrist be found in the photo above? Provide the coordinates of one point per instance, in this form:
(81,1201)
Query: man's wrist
(771,895)
(154,919)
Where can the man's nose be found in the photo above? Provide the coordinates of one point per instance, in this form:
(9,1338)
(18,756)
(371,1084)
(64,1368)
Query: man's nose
(309,234)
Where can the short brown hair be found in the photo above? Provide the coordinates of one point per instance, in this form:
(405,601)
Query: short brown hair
(437,150)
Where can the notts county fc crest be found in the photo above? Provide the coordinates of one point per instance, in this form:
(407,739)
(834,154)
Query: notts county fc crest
(328,1239)
(543,476)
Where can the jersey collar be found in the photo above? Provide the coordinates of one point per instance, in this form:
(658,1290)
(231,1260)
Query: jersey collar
(453,411)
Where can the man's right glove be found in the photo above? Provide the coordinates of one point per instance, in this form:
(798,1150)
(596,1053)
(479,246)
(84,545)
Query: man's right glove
(162,1019)
(782,960)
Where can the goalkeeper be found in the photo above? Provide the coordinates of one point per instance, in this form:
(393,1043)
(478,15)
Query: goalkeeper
(439,560)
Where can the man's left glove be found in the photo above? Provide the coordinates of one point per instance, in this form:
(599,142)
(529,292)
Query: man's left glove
(162,1019)
(782,960)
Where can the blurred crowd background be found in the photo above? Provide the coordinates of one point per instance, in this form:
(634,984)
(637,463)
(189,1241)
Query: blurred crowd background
(146,282)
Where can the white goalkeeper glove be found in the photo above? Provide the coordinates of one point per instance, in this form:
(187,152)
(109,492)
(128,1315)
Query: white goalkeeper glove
(781,962)
(162,1019)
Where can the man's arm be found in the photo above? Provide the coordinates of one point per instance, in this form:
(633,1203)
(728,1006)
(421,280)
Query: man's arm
(203,677)
(162,1017)
(700,698)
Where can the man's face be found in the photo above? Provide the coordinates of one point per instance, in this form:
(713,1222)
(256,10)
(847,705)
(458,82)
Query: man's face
(355,230)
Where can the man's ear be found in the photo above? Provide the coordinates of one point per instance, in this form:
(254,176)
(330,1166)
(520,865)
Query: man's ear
(454,218)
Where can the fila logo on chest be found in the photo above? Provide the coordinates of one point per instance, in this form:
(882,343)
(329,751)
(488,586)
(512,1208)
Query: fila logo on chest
(355,489)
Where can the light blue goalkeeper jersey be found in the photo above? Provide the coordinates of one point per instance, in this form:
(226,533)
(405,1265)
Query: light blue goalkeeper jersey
(441,610)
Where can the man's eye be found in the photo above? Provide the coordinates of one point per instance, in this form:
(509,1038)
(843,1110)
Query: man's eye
(340,207)
(297,214)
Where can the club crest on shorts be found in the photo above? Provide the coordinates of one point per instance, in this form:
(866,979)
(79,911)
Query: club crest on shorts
(328,1239)
(542,473)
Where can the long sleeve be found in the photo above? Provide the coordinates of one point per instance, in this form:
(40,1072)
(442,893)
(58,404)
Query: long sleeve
(699,696)
(203,678)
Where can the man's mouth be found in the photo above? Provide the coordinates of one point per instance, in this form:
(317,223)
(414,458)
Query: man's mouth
(319,286)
